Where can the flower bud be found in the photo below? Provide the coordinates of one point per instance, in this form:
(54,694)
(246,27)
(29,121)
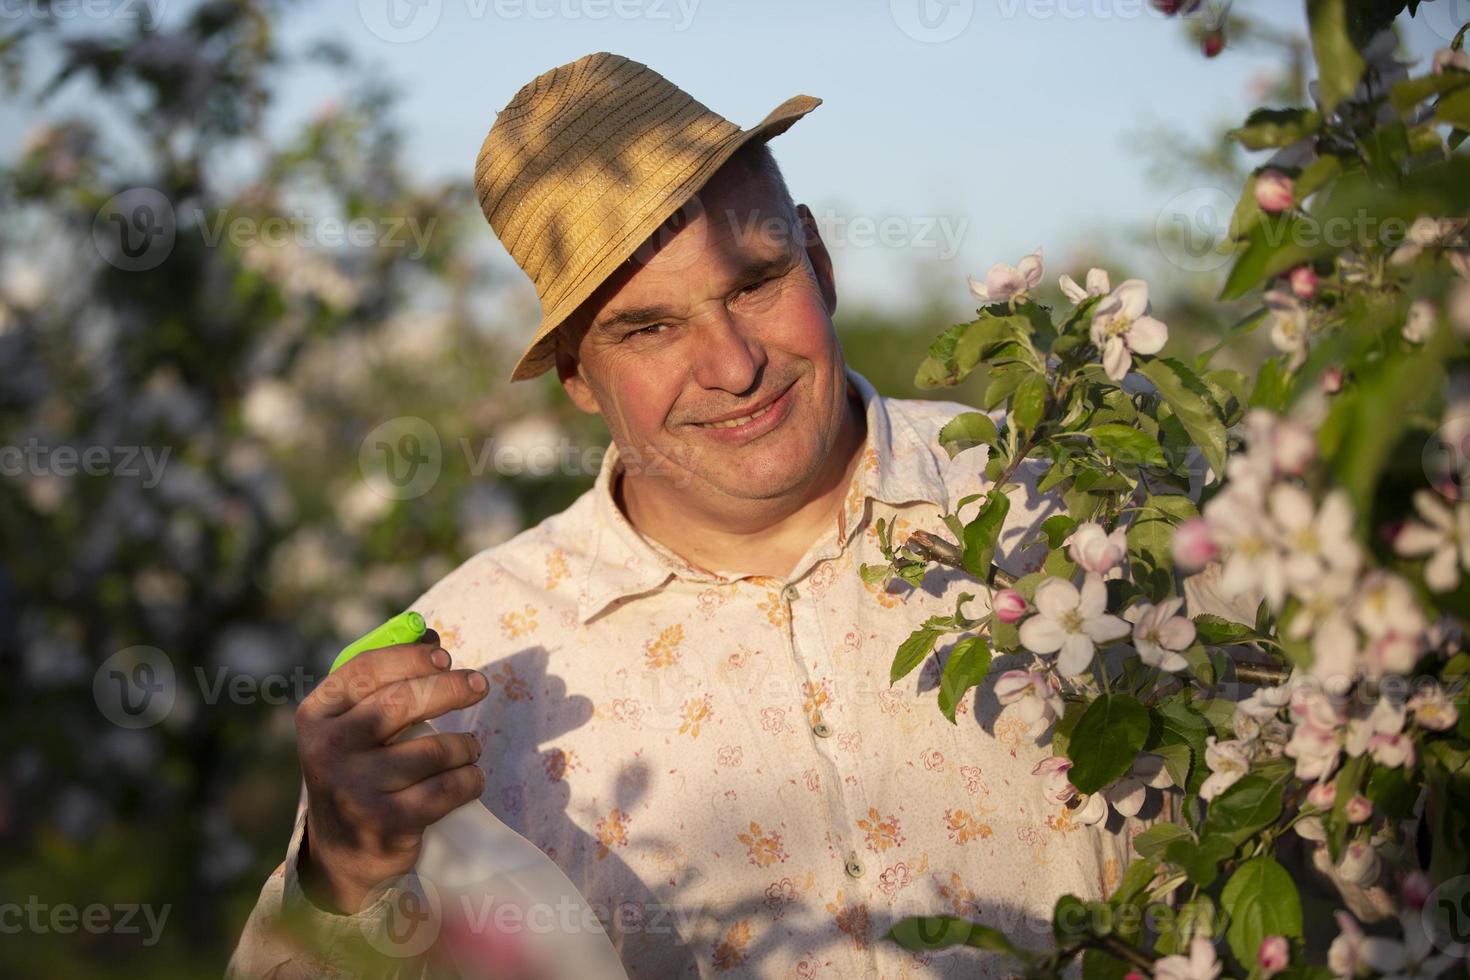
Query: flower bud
(1331,380)
(1274,191)
(1293,447)
(1360,864)
(1273,955)
(1417,886)
(1322,795)
(1303,282)
(1213,43)
(1358,809)
(1194,547)
(1008,605)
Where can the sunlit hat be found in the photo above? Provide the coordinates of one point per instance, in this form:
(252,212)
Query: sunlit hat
(589,160)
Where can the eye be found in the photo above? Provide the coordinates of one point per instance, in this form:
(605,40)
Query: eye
(753,287)
(645,331)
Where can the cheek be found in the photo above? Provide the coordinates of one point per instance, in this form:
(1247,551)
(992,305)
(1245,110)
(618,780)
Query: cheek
(644,399)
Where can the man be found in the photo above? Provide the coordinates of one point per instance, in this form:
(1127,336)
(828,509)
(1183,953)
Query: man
(678,687)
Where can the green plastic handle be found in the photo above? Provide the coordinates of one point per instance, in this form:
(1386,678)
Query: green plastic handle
(406,627)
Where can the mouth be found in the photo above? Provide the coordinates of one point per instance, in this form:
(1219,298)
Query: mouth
(739,420)
(753,424)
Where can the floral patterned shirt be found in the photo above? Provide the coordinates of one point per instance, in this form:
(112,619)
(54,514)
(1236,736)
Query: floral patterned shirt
(717,759)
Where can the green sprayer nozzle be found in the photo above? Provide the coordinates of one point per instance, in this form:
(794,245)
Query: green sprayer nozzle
(406,627)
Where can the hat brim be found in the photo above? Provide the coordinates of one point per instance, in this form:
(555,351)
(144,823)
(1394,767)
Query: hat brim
(540,354)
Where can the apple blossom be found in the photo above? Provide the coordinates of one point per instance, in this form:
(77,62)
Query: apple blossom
(1416,887)
(1293,447)
(1129,794)
(1444,536)
(1315,749)
(1095,550)
(1212,43)
(1071,621)
(1249,539)
(1273,955)
(1345,957)
(1331,380)
(1037,702)
(1434,710)
(1449,58)
(1391,653)
(1419,326)
(1159,634)
(1316,540)
(1274,190)
(1303,281)
(1412,959)
(1424,233)
(1008,605)
(1004,283)
(1200,964)
(1384,718)
(1323,795)
(1290,325)
(1358,809)
(1098,284)
(1121,327)
(1227,761)
(1359,864)
(1193,546)
(1386,604)
(1393,750)
(1058,789)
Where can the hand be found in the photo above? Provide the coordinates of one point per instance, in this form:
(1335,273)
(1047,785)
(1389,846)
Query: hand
(368,799)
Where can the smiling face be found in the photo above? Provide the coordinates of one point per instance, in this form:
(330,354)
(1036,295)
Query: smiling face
(726,315)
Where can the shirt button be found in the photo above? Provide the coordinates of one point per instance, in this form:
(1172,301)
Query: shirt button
(791,592)
(821,729)
(853,867)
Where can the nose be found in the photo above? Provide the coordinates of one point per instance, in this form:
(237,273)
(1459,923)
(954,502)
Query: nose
(730,355)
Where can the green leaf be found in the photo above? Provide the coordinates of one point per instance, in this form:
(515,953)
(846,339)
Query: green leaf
(1221,631)
(967,431)
(1454,109)
(1029,403)
(1057,529)
(926,932)
(982,532)
(1191,403)
(912,652)
(1261,900)
(967,666)
(1315,176)
(1408,93)
(1276,243)
(1253,802)
(1339,66)
(1106,741)
(1127,444)
(1153,842)
(1201,861)
(1097,965)
(1177,759)
(1266,128)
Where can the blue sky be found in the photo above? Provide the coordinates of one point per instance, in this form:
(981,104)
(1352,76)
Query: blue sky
(998,127)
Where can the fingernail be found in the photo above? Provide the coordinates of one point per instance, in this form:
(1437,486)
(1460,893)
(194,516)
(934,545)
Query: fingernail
(440,659)
(478,747)
(478,682)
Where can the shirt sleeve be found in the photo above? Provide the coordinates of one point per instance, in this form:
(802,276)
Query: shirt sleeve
(288,937)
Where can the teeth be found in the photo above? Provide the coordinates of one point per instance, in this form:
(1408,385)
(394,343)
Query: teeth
(732,423)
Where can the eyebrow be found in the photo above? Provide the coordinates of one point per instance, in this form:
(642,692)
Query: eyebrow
(753,271)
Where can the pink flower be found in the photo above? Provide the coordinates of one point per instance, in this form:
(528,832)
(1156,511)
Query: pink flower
(1004,283)
(1273,955)
(1071,622)
(1434,710)
(1227,762)
(1008,605)
(1359,864)
(1122,327)
(1095,550)
(1303,282)
(1037,702)
(1331,380)
(1449,58)
(1358,809)
(1193,545)
(1274,191)
(1417,887)
(1392,750)
(1323,795)
(1159,635)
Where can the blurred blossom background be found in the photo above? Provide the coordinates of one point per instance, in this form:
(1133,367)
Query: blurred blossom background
(255,335)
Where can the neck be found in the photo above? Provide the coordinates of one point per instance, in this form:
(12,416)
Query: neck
(757,537)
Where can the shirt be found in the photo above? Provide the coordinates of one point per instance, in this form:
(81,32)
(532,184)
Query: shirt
(717,759)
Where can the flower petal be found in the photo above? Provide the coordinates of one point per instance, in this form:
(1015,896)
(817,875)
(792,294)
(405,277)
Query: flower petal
(1055,597)
(1147,335)
(1042,635)
(1075,654)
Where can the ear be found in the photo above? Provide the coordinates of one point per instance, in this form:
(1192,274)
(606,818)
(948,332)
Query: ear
(569,371)
(816,253)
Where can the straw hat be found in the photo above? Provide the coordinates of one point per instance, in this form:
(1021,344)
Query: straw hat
(589,160)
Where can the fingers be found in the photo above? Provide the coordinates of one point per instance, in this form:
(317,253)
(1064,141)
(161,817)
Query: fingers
(371,671)
(431,799)
(390,709)
(405,763)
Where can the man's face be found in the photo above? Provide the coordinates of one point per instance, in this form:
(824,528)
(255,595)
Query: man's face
(728,314)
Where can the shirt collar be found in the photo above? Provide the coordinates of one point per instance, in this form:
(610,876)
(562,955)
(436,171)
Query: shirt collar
(897,466)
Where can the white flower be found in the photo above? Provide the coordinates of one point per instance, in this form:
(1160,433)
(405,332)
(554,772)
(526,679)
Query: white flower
(1098,284)
(1345,957)
(1392,751)
(1200,964)
(1004,283)
(1228,761)
(1095,550)
(1159,634)
(1316,541)
(1419,326)
(1036,702)
(1289,325)
(1129,794)
(1411,959)
(1434,710)
(1425,232)
(1449,58)
(1359,863)
(1071,622)
(1384,718)
(1386,604)
(1239,524)
(1315,750)
(1121,327)
(1444,537)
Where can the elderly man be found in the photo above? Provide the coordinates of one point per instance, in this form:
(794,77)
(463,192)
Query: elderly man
(678,688)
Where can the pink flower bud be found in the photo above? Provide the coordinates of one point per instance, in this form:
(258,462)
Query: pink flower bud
(1194,548)
(1322,795)
(1213,43)
(1331,380)
(1358,809)
(1293,447)
(1303,282)
(1273,955)
(1273,191)
(1009,605)
(1417,888)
